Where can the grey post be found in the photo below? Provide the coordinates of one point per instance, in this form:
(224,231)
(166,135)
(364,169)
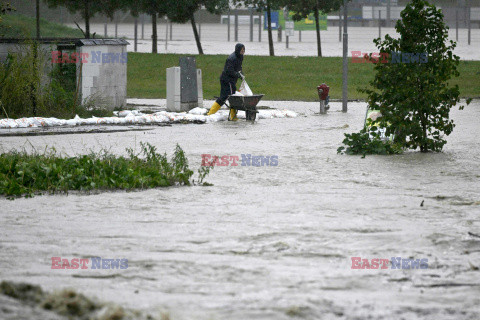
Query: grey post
(143,25)
(236,26)
(340,25)
(323,110)
(228,25)
(468,22)
(259,27)
(379,23)
(166,34)
(116,25)
(251,24)
(456,23)
(345,58)
(286,40)
(299,35)
(279,34)
(373,13)
(135,36)
(388,14)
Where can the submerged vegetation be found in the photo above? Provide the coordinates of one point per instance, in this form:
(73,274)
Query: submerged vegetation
(23,174)
(68,304)
(368,141)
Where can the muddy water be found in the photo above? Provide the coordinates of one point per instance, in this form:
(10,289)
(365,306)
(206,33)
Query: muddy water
(266,242)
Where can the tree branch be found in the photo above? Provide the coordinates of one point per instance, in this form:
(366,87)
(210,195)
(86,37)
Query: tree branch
(80,29)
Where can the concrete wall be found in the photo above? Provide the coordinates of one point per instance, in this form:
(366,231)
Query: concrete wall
(103,75)
(6,48)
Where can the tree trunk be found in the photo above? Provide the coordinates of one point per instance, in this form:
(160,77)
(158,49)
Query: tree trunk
(269,28)
(87,20)
(154,33)
(424,145)
(38,18)
(317,26)
(35,80)
(195,33)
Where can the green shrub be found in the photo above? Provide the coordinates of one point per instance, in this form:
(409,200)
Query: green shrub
(415,97)
(368,142)
(28,174)
(31,86)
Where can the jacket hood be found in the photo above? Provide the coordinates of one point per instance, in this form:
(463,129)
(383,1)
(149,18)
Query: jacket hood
(238,48)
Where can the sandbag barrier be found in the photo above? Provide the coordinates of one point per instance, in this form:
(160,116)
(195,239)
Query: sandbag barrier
(129,117)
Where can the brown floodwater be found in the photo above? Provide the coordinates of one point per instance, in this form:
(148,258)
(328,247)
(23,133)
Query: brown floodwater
(266,242)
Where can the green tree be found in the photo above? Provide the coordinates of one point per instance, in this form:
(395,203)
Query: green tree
(154,8)
(411,87)
(89,8)
(182,11)
(266,6)
(4,8)
(303,8)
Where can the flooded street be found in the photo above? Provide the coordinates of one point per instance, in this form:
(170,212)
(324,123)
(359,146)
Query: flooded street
(267,242)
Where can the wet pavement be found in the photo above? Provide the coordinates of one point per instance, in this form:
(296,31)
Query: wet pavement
(266,242)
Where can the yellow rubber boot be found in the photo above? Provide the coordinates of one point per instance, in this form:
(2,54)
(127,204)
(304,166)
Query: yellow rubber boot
(215,107)
(233,115)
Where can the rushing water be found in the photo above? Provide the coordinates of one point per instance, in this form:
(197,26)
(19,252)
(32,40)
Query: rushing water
(270,242)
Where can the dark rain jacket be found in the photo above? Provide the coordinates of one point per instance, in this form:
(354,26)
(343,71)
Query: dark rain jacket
(233,65)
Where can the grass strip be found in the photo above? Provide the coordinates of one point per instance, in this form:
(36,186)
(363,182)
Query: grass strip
(23,174)
(20,26)
(279,78)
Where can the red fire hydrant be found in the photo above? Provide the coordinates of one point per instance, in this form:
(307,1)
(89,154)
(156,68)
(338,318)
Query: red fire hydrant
(323,90)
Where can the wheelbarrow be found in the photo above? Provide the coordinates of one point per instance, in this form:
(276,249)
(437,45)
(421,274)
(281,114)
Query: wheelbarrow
(245,103)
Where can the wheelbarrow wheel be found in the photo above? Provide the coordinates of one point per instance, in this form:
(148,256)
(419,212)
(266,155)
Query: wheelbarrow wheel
(250,115)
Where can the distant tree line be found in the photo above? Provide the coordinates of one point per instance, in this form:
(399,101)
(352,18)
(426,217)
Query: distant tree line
(182,11)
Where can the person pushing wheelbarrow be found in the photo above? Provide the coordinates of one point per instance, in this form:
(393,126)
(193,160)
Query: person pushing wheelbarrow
(228,80)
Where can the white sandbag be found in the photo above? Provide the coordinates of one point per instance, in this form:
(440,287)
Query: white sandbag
(130,117)
(38,122)
(58,122)
(72,122)
(270,114)
(8,123)
(198,110)
(245,89)
(216,117)
(124,113)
